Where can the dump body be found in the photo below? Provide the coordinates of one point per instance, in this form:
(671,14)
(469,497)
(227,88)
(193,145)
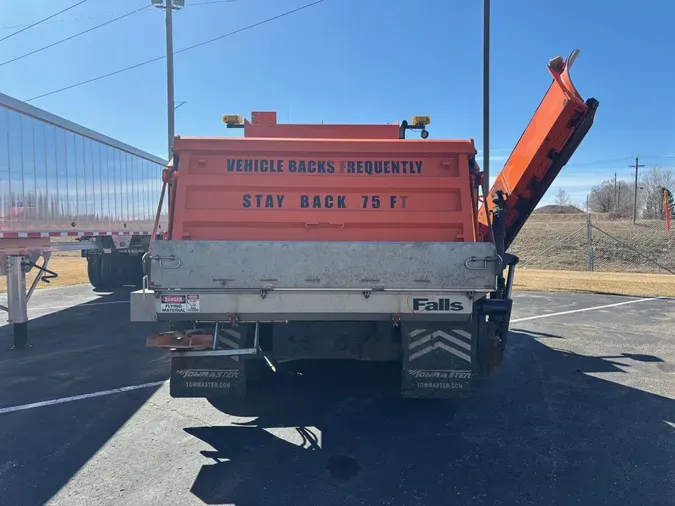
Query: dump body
(323,190)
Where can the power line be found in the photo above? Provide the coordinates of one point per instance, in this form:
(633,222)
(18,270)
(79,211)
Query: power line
(110,74)
(612,160)
(211,2)
(660,157)
(42,20)
(69,20)
(73,36)
(607,160)
(622,159)
(83,18)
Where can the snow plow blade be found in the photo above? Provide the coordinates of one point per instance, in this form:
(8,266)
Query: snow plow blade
(560,123)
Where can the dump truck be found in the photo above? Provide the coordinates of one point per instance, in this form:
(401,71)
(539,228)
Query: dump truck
(346,242)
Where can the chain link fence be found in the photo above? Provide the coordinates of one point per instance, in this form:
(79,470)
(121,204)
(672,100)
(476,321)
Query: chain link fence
(595,242)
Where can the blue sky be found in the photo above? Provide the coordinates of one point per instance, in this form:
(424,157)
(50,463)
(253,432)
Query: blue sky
(359,61)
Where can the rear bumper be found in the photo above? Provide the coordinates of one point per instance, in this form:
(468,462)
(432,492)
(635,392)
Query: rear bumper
(303,305)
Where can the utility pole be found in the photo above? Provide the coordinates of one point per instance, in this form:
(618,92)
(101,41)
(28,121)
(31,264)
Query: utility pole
(486,100)
(618,200)
(637,167)
(616,196)
(169,6)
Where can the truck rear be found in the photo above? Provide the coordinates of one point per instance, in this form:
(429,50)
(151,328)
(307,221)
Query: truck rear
(334,242)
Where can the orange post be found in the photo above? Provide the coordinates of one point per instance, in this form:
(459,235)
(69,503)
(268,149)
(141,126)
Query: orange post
(666,209)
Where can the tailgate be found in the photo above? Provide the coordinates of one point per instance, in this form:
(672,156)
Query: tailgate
(253,265)
(240,189)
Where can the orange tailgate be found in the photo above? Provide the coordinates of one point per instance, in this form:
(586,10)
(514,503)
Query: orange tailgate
(323,190)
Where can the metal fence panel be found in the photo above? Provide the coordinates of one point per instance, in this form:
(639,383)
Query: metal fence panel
(596,243)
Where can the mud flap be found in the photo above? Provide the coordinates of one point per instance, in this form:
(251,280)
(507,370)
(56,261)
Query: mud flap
(439,359)
(493,333)
(202,374)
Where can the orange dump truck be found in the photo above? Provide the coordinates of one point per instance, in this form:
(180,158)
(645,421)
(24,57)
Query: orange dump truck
(346,242)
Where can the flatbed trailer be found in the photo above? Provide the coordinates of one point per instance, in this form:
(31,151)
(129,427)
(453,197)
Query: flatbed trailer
(346,242)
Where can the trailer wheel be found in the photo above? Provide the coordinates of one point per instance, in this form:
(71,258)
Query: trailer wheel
(109,275)
(94,271)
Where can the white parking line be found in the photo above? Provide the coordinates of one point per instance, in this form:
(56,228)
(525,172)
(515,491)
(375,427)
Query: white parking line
(548,315)
(84,304)
(105,303)
(24,407)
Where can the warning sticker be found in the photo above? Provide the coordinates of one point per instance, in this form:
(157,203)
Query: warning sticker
(179,304)
(192,304)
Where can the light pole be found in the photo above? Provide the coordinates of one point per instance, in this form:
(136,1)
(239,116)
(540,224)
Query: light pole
(486,100)
(169,6)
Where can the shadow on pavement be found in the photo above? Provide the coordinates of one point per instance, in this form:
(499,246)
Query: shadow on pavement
(542,431)
(538,333)
(86,348)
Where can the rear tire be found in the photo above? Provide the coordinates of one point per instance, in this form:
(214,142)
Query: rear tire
(135,269)
(109,275)
(94,271)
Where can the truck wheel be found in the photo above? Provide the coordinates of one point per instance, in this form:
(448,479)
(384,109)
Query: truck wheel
(129,269)
(136,267)
(94,271)
(109,276)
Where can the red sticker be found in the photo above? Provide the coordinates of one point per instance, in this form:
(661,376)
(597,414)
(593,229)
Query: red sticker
(173,299)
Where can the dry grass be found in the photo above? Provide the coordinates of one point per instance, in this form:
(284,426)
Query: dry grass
(648,285)
(617,245)
(72,270)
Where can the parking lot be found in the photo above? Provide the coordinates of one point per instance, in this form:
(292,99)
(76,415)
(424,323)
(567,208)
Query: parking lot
(583,412)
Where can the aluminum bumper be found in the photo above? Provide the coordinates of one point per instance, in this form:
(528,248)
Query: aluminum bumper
(302,305)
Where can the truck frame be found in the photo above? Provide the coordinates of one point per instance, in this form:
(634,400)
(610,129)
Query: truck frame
(248,277)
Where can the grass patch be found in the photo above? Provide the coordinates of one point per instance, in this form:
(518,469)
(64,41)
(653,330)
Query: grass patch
(72,270)
(647,285)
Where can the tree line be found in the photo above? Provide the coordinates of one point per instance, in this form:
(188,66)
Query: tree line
(617,196)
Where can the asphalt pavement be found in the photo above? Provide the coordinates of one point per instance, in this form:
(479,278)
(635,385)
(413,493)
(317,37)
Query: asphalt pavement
(582,412)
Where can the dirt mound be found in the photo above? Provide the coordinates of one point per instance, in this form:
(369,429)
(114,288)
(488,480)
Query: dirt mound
(553,209)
